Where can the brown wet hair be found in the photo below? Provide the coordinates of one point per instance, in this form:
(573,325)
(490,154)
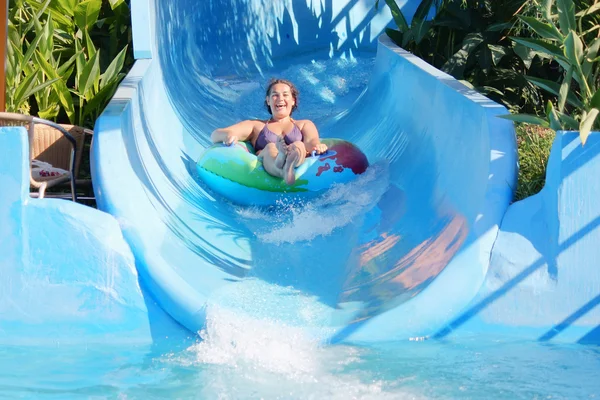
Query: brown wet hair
(293,90)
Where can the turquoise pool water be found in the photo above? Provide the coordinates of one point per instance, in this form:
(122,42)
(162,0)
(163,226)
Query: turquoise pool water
(266,361)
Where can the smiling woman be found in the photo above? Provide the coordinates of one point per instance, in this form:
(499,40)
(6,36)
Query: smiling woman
(281,142)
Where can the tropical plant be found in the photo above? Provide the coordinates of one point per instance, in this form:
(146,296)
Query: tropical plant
(569,33)
(469,39)
(66,72)
(23,76)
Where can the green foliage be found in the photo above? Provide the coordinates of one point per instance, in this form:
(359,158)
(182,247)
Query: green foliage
(568,33)
(537,57)
(23,76)
(534,143)
(469,39)
(66,57)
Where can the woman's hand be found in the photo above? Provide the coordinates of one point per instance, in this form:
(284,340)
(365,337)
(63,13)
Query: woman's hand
(230,140)
(320,148)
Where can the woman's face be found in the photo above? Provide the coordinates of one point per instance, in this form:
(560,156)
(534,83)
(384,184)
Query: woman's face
(280,100)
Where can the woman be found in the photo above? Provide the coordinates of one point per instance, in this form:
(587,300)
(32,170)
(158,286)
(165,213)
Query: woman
(281,142)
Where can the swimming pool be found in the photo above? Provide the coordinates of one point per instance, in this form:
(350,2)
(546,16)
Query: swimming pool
(376,267)
(237,361)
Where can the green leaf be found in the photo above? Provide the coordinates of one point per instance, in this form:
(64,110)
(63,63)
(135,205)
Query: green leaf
(98,102)
(595,101)
(423,10)
(566,16)
(489,89)
(406,38)
(485,58)
(420,25)
(68,6)
(499,27)
(541,47)
(64,21)
(116,3)
(547,9)
(568,121)
(89,75)
(47,42)
(525,53)
(25,87)
(91,49)
(565,89)
(49,112)
(586,125)
(395,35)
(554,88)
(86,13)
(79,61)
(573,48)
(40,87)
(590,57)
(527,119)
(114,68)
(547,31)
(498,53)
(397,15)
(421,29)
(31,49)
(59,86)
(593,9)
(64,67)
(458,61)
(553,117)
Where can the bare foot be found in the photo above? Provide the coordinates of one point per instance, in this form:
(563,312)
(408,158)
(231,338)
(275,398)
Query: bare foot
(282,150)
(291,160)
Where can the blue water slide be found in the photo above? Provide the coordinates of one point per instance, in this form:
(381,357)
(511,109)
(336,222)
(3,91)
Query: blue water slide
(397,254)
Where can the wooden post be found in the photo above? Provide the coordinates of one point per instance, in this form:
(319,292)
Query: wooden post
(3,43)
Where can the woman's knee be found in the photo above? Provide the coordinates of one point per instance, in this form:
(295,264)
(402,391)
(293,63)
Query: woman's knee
(301,149)
(270,150)
(299,144)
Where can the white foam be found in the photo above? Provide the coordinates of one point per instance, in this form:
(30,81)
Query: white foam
(243,358)
(340,206)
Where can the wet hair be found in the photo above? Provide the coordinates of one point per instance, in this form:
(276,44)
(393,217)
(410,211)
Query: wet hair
(293,90)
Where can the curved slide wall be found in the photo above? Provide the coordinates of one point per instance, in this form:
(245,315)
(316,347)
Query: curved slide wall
(408,261)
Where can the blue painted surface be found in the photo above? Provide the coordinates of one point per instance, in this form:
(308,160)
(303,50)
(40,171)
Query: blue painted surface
(404,266)
(544,280)
(66,274)
(141,29)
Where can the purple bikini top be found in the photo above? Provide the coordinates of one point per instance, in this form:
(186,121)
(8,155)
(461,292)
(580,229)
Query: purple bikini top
(267,136)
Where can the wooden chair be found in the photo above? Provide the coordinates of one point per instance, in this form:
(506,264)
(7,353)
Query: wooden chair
(56,144)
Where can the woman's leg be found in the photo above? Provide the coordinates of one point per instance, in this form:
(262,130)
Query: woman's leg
(282,150)
(296,154)
(270,158)
(282,164)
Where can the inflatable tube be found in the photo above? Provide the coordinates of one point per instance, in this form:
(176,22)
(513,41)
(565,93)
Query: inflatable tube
(236,173)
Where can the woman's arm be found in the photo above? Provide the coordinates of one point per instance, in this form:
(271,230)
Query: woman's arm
(239,132)
(311,138)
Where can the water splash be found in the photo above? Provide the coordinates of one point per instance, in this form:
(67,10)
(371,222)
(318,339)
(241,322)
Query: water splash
(342,205)
(245,357)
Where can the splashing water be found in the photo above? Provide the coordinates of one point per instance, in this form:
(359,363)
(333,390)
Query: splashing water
(261,358)
(343,204)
